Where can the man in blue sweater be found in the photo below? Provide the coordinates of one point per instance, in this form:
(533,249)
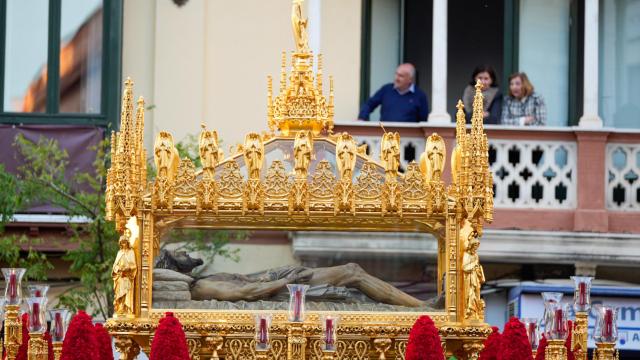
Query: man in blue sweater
(401,100)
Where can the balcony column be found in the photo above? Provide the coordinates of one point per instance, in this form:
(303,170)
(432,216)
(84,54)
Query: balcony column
(590,117)
(438,96)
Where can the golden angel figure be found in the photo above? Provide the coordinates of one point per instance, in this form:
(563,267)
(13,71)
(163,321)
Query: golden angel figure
(302,147)
(433,158)
(473,278)
(299,27)
(253,154)
(390,153)
(165,155)
(210,152)
(123,275)
(346,150)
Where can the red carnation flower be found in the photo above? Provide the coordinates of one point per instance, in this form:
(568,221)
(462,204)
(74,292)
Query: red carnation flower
(491,345)
(424,341)
(24,347)
(47,337)
(104,343)
(514,343)
(542,346)
(169,342)
(80,341)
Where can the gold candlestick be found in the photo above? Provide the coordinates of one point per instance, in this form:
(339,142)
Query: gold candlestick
(555,350)
(38,347)
(579,339)
(57,349)
(605,351)
(12,330)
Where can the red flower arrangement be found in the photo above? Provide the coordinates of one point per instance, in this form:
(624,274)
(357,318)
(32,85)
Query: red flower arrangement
(542,346)
(424,341)
(103,340)
(514,343)
(47,337)
(80,341)
(491,345)
(24,347)
(169,342)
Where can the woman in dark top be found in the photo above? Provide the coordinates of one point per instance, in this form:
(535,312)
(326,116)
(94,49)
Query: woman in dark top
(492,104)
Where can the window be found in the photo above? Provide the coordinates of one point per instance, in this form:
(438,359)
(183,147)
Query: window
(619,62)
(56,67)
(544,53)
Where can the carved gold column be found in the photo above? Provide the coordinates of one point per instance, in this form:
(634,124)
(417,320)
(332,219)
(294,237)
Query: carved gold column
(605,351)
(38,348)
(579,338)
(296,342)
(12,330)
(57,349)
(555,350)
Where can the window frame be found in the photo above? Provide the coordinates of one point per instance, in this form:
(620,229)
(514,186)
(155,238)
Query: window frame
(111,71)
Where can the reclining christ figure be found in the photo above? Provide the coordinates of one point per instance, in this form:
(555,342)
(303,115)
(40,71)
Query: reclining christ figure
(261,286)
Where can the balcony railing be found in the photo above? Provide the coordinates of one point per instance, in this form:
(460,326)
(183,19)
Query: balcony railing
(559,179)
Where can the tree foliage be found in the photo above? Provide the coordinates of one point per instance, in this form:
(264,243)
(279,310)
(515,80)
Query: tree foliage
(46,178)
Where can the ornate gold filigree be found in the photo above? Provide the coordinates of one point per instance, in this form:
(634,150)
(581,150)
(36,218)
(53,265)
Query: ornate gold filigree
(38,348)
(127,347)
(556,350)
(382,345)
(605,351)
(579,335)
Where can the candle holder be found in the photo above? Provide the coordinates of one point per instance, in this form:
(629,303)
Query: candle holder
(606,330)
(13,288)
(549,299)
(263,324)
(58,329)
(329,331)
(38,348)
(38,290)
(605,351)
(533,333)
(297,293)
(581,306)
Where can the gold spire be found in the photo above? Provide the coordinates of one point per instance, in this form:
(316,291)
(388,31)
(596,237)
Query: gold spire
(126,117)
(461,123)
(477,118)
(300,105)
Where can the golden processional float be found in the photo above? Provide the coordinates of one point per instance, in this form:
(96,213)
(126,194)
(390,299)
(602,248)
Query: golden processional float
(299,176)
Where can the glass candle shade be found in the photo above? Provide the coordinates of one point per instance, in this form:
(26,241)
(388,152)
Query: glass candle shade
(263,324)
(59,323)
(13,287)
(533,335)
(38,290)
(37,312)
(297,293)
(582,293)
(329,330)
(549,299)
(556,326)
(2,302)
(606,326)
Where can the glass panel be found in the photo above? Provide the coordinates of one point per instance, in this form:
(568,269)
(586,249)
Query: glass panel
(26,56)
(249,270)
(385,45)
(619,102)
(81,56)
(544,53)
